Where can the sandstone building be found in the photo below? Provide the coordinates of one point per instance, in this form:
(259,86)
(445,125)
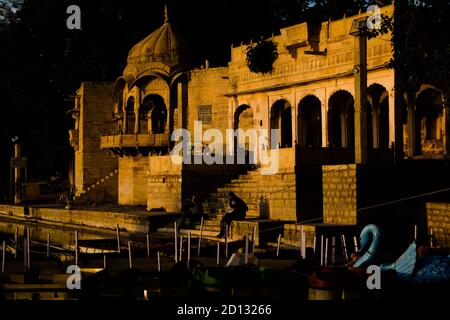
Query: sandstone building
(122,134)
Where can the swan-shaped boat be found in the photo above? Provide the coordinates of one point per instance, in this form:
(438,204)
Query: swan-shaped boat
(409,267)
(410,270)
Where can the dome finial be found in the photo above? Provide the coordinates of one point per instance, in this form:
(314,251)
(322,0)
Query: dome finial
(166,14)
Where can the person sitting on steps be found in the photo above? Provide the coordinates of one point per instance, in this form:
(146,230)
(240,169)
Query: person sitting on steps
(237,211)
(193,211)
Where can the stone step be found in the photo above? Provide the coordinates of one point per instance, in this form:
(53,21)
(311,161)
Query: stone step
(213,205)
(254,211)
(218,214)
(273,184)
(250,201)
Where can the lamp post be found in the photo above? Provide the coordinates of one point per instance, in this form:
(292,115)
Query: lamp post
(17,164)
(360,70)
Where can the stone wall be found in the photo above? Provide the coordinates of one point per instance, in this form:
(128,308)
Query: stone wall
(91,163)
(129,222)
(339,194)
(438,219)
(391,196)
(164,184)
(207,87)
(133,180)
(279,192)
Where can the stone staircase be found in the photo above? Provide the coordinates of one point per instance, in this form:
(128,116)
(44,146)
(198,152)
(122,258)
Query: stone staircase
(266,197)
(100,190)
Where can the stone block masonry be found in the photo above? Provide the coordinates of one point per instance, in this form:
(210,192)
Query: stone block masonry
(164,184)
(206,90)
(438,219)
(131,220)
(133,180)
(340,194)
(91,163)
(394,196)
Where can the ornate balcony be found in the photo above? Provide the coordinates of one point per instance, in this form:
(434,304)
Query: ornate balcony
(133,144)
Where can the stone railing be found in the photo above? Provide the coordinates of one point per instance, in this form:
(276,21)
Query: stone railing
(134,140)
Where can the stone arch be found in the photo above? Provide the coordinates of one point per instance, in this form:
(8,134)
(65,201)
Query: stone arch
(426,86)
(243,117)
(152,114)
(281,118)
(377,117)
(309,122)
(119,87)
(129,116)
(150,75)
(429,131)
(341,124)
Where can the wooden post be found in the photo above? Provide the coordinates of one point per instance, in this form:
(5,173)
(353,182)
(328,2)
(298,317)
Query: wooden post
(355,242)
(218,253)
(176,241)
(344,247)
(303,244)
(200,239)
(321,250)
(118,238)
(129,254)
(3,256)
(76,247)
(148,245)
(17,176)
(226,241)
(314,245)
(104,261)
(333,249)
(253,239)
(48,245)
(28,249)
(159,261)
(189,249)
(278,245)
(181,248)
(415,232)
(16,241)
(326,251)
(246,249)
(25,252)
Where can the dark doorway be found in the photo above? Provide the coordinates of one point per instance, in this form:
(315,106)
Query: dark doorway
(309,122)
(281,118)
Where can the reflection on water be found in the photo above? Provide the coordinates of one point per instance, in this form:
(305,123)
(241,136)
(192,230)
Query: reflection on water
(39,232)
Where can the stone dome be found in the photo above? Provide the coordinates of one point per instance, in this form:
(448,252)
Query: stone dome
(164,45)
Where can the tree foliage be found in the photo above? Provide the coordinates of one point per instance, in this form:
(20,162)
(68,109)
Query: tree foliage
(422,44)
(261,56)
